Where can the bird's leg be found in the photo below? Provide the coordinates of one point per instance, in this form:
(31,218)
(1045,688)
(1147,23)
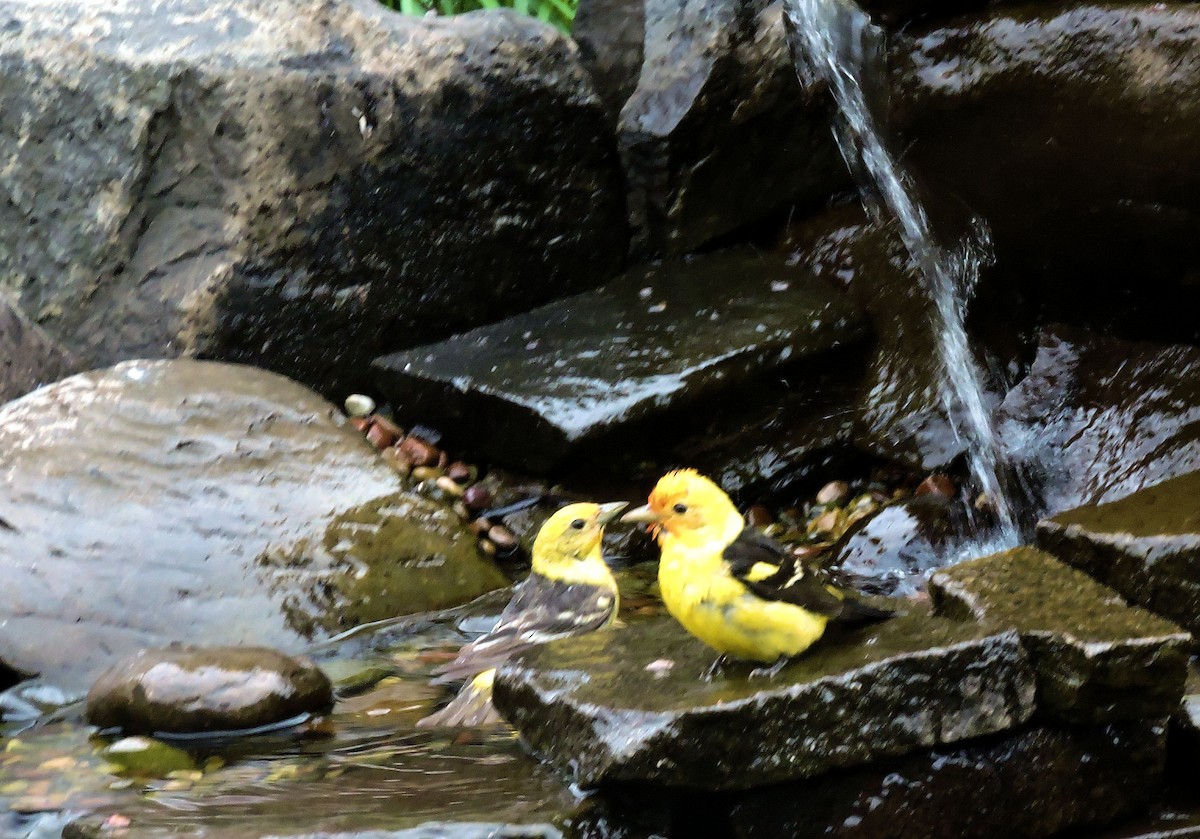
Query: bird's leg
(769,672)
(715,669)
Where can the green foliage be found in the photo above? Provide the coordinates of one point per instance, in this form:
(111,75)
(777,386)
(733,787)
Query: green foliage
(559,13)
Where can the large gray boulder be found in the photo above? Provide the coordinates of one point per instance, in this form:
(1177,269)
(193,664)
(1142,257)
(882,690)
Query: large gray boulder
(208,503)
(720,130)
(300,191)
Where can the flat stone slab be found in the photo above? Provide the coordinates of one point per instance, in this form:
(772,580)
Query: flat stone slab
(633,706)
(1097,658)
(1032,783)
(207,503)
(649,342)
(1146,546)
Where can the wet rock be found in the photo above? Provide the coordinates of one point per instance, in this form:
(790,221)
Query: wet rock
(1098,418)
(1145,546)
(1011,114)
(651,342)
(187,690)
(897,413)
(1185,723)
(1033,783)
(794,427)
(610,35)
(29,357)
(893,551)
(717,99)
(1097,659)
(144,757)
(300,194)
(180,501)
(91,827)
(592,706)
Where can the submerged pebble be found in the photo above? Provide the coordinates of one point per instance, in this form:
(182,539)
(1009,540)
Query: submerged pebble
(146,757)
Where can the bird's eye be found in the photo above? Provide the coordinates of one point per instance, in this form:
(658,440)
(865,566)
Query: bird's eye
(578,524)
(681,508)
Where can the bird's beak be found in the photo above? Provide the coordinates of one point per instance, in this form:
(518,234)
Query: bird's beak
(609,512)
(641,514)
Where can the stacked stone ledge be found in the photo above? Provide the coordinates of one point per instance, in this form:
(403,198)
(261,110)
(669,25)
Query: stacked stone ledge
(1031,698)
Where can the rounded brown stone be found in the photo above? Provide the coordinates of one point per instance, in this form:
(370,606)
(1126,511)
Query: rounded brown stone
(187,690)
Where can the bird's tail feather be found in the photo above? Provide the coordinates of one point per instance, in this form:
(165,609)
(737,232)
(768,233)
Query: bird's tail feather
(472,708)
(859,611)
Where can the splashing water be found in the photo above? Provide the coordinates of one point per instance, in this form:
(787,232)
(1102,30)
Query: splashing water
(838,43)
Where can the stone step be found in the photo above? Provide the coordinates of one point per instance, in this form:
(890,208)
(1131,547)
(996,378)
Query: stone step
(531,390)
(1145,546)
(1097,659)
(632,705)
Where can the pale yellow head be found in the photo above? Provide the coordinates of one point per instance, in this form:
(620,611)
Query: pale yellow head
(567,548)
(686,506)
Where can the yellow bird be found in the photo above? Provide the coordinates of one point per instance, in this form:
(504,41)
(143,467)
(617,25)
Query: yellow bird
(736,590)
(569,591)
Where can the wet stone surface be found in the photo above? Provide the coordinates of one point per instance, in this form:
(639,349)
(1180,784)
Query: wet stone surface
(632,706)
(653,340)
(1032,783)
(1074,89)
(1098,418)
(28,356)
(1097,659)
(893,551)
(206,689)
(718,96)
(202,177)
(1145,546)
(175,501)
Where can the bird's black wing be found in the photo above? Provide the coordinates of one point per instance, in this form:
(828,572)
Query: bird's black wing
(540,610)
(791,583)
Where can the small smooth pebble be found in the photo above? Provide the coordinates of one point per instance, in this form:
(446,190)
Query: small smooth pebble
(477,498)
(427,473)
(419,452)
(359,405)
(503,537)
(759,516)
(460,472)
(481,526)
(834,492)
(487,547)
(450,486)
(936,484)
(380,437)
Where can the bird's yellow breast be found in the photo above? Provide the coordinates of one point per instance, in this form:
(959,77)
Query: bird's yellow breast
(701,594)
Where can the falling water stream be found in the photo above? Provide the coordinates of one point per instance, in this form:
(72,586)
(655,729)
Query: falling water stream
(838,43)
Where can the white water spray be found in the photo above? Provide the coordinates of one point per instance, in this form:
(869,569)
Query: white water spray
(839,42)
